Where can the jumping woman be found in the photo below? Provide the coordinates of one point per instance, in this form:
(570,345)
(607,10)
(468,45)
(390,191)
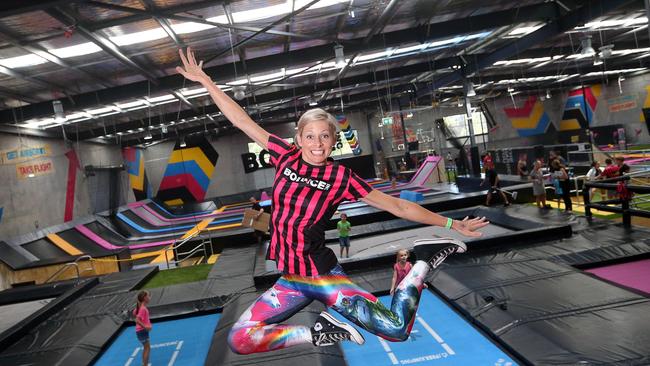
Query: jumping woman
(307,190)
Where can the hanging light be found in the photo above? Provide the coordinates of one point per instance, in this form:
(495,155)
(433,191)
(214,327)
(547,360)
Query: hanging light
(587,49)
(598,61)
(548,94)
(239,92)
(147,136)
(621,78)
(510,89)
(59,116)
(339,56)
(606,51)
(183,144)
(164,129)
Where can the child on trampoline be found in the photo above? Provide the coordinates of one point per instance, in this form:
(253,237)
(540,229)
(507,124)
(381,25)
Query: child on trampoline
(307,190)
(143,324)
(344,227)
(400,269)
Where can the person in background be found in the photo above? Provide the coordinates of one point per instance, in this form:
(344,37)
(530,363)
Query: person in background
(610,171)
(592,175)
(487,162)
(555,155)
(343,227)
(522,166)
(562,183)
(259,235)
(622,167)
(492,177)
(143,324)
(400,269)
(539,190)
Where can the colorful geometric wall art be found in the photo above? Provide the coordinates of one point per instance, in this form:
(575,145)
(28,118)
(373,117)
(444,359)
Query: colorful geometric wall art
(529,119)
(349,134)
(134,161)
(188,171)
(579,108)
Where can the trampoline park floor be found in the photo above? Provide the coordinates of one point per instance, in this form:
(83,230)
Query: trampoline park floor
(181,342)
(439,336)
(445,331)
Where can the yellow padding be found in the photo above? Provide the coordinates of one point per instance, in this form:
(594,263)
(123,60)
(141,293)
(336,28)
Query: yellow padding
(174,202)
(201,225)
(64,245)
(221,227)
(147,254)
(213,258)
(161,257)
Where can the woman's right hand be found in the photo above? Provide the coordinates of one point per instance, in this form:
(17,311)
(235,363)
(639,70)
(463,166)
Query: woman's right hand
(191,69)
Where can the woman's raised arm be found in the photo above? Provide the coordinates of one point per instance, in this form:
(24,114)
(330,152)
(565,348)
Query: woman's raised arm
(235,114)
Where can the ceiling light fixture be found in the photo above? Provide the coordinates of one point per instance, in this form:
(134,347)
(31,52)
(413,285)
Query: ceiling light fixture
(606,51)
(587,49)
(239,92)
(164,129)
(59,116)
(598,61)
(548,94)
(182,144)
(339,56)
(147,136)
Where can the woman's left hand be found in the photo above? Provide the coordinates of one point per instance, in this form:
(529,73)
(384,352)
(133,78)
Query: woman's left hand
(468,227)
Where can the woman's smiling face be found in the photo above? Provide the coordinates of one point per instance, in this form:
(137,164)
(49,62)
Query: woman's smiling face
(316,142)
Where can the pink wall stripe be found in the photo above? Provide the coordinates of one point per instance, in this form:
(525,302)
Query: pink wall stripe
(103,243)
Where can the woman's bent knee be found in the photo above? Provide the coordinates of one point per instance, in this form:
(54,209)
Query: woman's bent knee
(240,342)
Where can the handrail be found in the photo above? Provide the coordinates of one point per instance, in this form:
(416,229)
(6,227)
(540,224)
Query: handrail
(187,253)
(195,250)
(70,264)
(624,200)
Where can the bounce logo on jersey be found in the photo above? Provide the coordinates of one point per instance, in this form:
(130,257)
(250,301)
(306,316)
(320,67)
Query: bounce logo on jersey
(315,183)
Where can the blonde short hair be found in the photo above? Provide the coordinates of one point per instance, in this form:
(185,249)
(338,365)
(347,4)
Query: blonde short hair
(317,114)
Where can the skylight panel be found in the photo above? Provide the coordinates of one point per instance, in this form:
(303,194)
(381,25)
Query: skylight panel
(76,50)
(139,37)
(22,61)
(190,27)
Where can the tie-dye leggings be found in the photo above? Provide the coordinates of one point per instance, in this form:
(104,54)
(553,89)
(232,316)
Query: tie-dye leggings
(257,330)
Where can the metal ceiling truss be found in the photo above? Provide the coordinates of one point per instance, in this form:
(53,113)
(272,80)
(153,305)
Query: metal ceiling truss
(554,27)
(296,57)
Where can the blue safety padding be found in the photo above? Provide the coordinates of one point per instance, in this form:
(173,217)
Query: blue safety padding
(439,337)
(265,203)
(411,196)
(181,342)
(141,229)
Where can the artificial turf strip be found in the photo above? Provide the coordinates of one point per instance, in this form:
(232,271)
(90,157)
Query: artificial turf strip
(179,275)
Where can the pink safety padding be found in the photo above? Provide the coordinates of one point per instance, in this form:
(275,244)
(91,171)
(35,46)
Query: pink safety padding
(632,274)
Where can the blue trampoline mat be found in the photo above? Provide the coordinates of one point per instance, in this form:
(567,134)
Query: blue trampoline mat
(439,337)
(178,342)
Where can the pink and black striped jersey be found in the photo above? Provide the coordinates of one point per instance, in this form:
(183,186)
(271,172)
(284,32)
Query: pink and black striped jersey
(304,198)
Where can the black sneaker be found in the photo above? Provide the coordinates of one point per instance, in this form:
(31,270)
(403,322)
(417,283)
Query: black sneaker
(434,251)
(327,331)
